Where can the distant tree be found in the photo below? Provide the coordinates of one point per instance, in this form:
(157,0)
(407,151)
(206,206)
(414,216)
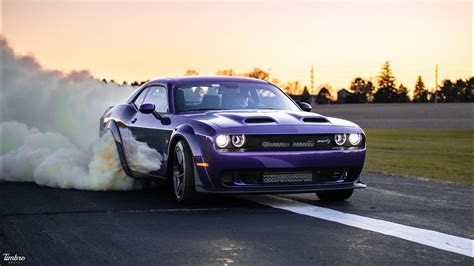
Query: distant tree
(191,72)
(124,83)
(452,92)
(469,90)
(306,97)
(386,77)
(458,91)
(135,84)
(292,87)
(386,92)
(258,74)
(226,72)
(362,90)
(420,94)
(445,90)
(324,96)
(112,81)
(276,82)
(402,94)
(104,80)
(383,96)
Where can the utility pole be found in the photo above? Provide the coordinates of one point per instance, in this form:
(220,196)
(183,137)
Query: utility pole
(436,85)
(312,84)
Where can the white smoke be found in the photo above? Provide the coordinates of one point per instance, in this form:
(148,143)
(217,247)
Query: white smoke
(49,128)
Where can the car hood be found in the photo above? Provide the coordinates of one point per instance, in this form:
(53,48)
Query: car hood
(255,118)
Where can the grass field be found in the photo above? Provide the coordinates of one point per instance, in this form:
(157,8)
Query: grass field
(438,154)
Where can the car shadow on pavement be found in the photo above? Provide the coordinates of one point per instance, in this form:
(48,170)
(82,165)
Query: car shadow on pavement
(18,198)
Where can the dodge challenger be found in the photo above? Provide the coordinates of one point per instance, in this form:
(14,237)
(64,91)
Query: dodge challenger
(236,135)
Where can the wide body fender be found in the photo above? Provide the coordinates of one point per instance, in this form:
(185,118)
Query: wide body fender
(119,142)
(187,133)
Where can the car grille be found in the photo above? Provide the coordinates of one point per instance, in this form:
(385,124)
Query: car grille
(288,142)
(288,176)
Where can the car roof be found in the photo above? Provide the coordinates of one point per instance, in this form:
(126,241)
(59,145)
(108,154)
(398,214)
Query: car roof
(197,79)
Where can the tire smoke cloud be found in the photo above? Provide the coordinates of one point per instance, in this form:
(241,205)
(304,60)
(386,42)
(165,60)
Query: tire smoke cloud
(49,128)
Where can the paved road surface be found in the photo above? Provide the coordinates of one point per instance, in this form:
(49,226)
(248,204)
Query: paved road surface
(69,227)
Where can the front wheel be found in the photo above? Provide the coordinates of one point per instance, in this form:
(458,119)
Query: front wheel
(335,195)
(183,174)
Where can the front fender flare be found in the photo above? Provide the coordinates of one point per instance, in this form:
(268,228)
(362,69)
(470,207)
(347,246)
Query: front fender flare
(187,133)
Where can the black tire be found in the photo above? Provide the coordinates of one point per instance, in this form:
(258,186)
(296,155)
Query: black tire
(182,174)
(335,195)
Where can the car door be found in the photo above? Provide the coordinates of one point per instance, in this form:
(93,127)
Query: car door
(146,127)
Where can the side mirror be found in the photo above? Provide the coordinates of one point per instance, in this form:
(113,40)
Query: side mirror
(147,108)
(305,106)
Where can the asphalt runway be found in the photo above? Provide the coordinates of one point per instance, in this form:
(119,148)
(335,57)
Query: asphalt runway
(69,227)
(403,115)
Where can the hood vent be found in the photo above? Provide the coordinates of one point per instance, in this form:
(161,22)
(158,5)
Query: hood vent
(259,120)
(315,120)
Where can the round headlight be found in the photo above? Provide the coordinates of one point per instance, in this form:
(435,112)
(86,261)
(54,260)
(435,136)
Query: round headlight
(222,141)
(238,140)
(355,138)
(340,139)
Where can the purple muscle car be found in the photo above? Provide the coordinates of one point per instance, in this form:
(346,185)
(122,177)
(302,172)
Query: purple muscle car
(237,135)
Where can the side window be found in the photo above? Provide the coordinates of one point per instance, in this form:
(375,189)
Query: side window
(139,100)
(158,96)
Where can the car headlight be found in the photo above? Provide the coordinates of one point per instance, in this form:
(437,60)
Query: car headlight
(340,139)
(222,141)
(355,139)
(238,140)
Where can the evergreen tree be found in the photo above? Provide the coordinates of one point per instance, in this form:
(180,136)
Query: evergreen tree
(386,78)
(306,97)
(420,94)
(387,92)
(402,94)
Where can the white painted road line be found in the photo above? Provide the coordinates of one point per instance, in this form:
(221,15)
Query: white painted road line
(430,238)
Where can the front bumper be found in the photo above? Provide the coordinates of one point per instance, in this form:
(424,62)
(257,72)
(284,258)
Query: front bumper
(209,179)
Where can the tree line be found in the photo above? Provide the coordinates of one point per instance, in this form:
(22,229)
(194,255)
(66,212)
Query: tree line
(364,91)
(361,90)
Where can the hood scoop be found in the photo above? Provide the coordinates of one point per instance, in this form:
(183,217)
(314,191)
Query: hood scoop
(315,120)
(259,120)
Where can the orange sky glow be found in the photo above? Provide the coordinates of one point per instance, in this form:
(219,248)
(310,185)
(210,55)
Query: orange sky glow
(140,40)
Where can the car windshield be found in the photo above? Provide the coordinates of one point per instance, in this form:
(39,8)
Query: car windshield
(231,96)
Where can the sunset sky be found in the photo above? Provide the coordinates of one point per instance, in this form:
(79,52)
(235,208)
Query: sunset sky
(139,40)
